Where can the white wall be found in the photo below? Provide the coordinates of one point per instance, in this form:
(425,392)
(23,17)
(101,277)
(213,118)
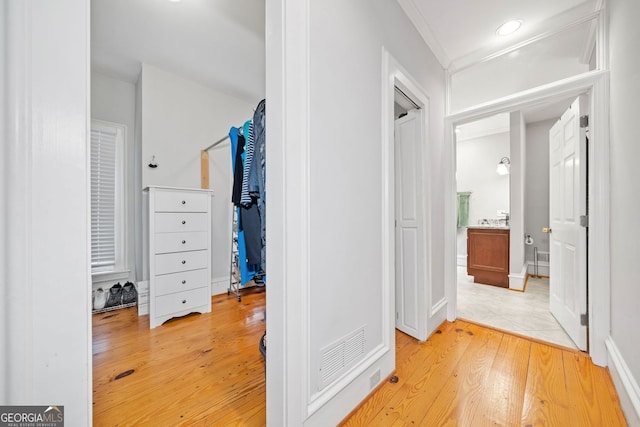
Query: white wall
(517,214)
(45,351)
(114,100)
(536,202)
(625,176)
(180,118)
(476,163)
(332,272)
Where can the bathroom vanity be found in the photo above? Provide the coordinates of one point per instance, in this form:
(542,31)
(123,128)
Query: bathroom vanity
(488,255)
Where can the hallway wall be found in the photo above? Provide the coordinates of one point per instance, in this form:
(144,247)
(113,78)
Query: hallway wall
(536,201)
(625,176)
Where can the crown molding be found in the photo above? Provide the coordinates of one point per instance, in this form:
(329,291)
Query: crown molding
(417,18)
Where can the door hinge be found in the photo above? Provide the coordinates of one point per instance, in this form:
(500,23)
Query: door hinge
(584,319)
(584,121)
(397,315)
(584,220)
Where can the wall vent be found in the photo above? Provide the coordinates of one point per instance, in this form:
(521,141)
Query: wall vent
(340,356)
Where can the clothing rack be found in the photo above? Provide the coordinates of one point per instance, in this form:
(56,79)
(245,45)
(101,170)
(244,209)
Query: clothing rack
(204,161)
(218,142)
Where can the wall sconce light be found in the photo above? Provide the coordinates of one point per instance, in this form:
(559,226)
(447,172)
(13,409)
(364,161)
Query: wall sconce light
(503,166)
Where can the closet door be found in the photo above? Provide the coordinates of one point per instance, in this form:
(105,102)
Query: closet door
(409,233)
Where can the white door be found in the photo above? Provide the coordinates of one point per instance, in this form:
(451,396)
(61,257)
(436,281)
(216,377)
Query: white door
(567,238)
(409,241)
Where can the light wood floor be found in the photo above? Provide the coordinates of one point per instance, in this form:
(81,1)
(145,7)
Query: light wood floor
(469,375)
(200,370)
(206,370)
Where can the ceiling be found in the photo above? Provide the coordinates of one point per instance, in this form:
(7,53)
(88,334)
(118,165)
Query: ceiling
(221,43)
(461,31)
(217,43)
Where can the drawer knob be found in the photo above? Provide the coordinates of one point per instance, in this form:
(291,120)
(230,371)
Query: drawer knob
(184,301)
(184,222)
(184,261)
(184,202)
(184,241)
(184,282)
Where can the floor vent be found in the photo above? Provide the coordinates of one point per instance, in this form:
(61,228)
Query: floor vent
(340,356)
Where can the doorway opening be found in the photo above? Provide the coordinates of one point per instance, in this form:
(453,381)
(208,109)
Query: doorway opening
(484,203)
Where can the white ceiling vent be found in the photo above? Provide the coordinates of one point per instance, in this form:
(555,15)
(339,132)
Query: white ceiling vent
(340,356)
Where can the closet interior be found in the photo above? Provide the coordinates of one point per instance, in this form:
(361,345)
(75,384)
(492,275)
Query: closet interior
(178,181)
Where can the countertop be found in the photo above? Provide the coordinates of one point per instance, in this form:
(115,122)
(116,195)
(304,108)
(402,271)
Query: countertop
(497,227)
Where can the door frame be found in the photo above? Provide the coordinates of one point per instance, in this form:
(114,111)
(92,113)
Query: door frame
(394,75)
(596,83)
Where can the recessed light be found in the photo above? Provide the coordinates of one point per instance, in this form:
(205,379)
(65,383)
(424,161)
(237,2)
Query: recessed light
(175,1)
(509,27)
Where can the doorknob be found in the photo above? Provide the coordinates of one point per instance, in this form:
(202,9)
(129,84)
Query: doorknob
(546,230)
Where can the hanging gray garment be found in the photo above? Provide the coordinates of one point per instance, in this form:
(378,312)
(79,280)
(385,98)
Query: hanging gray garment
(256,183)
(257,174)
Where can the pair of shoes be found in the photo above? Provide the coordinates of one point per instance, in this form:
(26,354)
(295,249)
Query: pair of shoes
(129,293)
(99,299)
(114,296)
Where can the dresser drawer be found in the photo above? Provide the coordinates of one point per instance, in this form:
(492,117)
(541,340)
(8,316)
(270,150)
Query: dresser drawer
(181,261)
(183,281)
(181,201)
(183,301)
(175,222)
(178,242)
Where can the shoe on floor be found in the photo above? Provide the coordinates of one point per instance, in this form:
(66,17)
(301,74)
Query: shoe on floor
(129,293)
(99,299)
(114,297)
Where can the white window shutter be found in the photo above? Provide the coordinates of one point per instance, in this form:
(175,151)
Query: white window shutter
(103,199)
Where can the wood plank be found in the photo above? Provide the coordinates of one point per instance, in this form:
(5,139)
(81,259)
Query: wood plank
(411,357)
(592,402)
(458,400)
(204,169)
(503,395)
(408,403)
(545,400)
(189,371)
(206,370)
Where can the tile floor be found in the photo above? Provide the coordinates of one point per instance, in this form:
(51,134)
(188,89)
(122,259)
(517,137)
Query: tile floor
(526,313)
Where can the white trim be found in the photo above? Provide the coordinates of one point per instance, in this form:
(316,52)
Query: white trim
(461,261)
(435,308)
(416,17)
(288,211)
(18,337)
(558,90)
(627,383)
(543,268)
(596,82)
(395,75)
(321,398)
(97,279)
(516,281)
(471,60)
(483,133)
(219,285)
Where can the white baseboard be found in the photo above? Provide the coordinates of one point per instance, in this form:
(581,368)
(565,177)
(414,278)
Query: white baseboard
(516,281)
(626,385)
(543,268)
(143,309)
(462,260)
(219,285)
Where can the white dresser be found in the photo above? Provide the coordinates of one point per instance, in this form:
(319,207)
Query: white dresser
(179,253)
